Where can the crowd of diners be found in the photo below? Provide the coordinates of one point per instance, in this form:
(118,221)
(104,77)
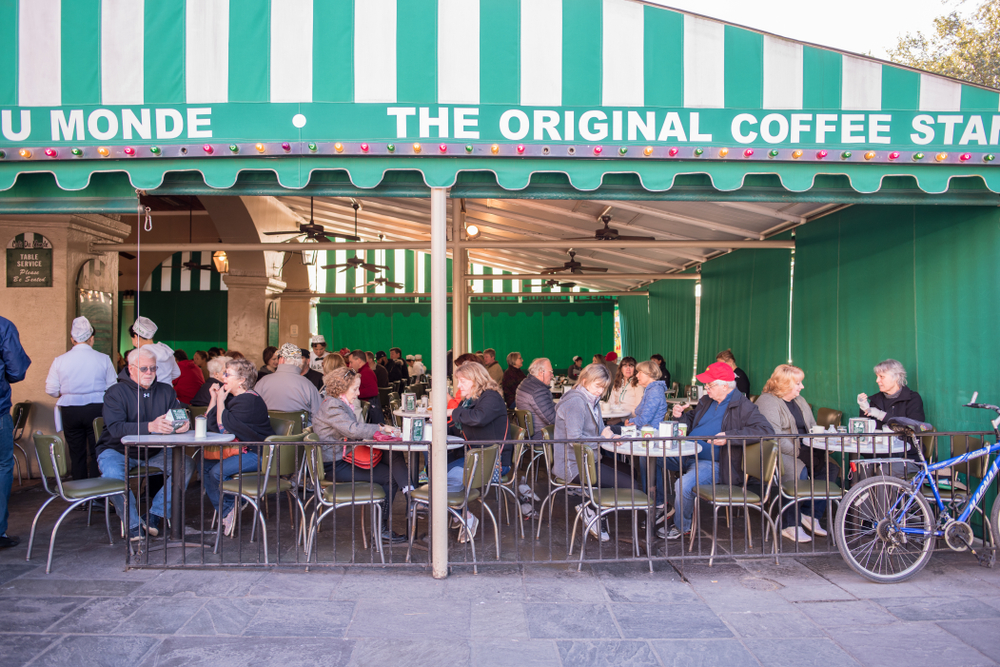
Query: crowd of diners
(330,386)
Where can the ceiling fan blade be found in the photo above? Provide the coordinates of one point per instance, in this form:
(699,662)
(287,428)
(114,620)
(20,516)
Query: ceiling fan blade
(346,237)
(282,233)
(395,285)
(590,268)
(333,266)
(633,238)
(553,269)
(567,284)
(126,255)
(374,268)
(578,238)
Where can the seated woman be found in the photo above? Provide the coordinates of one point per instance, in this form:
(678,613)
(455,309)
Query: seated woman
(578,416)
(337,420)
(216,366)
(512,378)
(894,398)
(270,357)
(234,407)
(790,414)
(650,411)
(626,392)
(482,419)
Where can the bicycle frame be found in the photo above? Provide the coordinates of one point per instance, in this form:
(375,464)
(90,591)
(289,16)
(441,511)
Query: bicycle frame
(970,506)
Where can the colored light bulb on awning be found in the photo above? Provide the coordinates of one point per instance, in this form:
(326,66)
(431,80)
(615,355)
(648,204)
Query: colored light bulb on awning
(918,156)
(51,152)
(965,157)
(748,152)
(260,147)
(339,147)
(77,152)
(698,152)
(443,148)
(870,155)
(821,154)
(894,155)
(773,153)
(364,148)
(672,152)
(155,150)
(598,150)
(468,148)
(623,150)
(416,148)
(285,146)
(796,154)
(233,148)
(128,150)
(941,157)
(25,153)
(647,151)
(103,152)
(846,155)
(723,152)
(520,148)
(208,149)
(988,157)
(391,148)
(312,147)
(495,148)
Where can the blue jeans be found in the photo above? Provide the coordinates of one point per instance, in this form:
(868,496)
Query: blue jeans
(6,466)
(707,472)
(227,469)
(114,466)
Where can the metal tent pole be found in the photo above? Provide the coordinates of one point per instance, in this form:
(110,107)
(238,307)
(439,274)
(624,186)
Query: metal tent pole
(459,288)
(439,384)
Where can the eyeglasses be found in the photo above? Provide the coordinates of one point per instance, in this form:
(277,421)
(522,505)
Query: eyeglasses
(351,372)
(225,374)
(146,369)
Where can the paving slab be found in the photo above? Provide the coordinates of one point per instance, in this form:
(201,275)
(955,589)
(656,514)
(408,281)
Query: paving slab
(773,624)
(301,618)
(669,621)
(570,621)
(18,649)
(520,652)
(589,653)
(986,642)
(69,587)
(846,612)
(430,619)
(498,619)
(98,615)
(925,608)
(703,653)
(96,651)
(35,614)
(912,644)
(378,651)
(159,617)
(811,652)
(222,616)
(242,651)
(201,583)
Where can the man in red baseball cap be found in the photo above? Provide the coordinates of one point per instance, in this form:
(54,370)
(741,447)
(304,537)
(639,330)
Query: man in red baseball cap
(722,411)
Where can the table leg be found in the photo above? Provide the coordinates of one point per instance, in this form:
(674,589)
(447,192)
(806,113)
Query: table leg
(177,493)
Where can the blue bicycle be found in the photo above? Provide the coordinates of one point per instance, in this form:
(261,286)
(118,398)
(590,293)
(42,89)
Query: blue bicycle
(885,527)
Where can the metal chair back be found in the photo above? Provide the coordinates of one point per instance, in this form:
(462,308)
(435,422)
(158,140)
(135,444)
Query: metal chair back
(283,427)
(19,415)
(526,421)
(479,465)
(297,417)
(98,427)
(827,417)
(52,455)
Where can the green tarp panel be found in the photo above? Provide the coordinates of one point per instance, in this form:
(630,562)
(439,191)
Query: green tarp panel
(379,326)
(917,284)
(744,307)
(671,313)
(558,331)
(188,321)
(636,327)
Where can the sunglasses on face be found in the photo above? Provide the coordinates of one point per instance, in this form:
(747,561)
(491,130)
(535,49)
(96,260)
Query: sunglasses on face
(225,374)
(146,369)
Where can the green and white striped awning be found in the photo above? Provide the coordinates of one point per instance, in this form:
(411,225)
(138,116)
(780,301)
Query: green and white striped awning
(300,87)
(172,276)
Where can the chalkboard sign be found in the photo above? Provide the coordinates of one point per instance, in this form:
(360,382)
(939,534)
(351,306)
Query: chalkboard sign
(29,261)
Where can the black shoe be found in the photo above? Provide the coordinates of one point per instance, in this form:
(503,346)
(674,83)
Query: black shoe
(7,541)
(392,537)
(151,524)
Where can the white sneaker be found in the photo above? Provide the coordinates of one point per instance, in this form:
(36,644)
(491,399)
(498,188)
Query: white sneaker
(596,529)
(229,522)
(796,534)
(526,493)
(815,526)
(469,531)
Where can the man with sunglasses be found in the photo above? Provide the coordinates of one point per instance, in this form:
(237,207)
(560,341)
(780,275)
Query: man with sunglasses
(139,406)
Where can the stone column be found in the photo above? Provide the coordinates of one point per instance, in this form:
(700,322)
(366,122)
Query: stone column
(249,297)
(43,315)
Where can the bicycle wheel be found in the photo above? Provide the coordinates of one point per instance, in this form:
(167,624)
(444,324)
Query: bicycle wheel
(868,535)
(994,527)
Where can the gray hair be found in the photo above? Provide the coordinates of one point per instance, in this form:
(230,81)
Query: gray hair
(133,356)
(245,370)
(894,369)
(537,365)
(217,364)
(511,357)
(594,374)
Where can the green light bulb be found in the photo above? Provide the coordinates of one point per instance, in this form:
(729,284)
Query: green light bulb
(773,153)
(77,152)
(391,148)
(918,156)
(988,157)
(698,152)
(846,155)
(312,147)
(468,148)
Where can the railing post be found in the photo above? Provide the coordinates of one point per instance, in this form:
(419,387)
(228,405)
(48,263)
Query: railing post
(439,386)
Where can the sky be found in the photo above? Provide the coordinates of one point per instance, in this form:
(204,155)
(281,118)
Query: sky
(860,26)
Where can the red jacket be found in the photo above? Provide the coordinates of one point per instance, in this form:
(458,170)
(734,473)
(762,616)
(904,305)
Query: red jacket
(187,383)
(369,383)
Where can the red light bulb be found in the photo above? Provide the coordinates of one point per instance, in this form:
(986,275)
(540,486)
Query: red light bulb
(673,151)
(821,154)
(748,152)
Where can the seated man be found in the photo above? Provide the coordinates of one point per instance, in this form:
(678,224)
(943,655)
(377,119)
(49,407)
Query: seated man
(138,406)
(721,411)
(535,396)
(286,389)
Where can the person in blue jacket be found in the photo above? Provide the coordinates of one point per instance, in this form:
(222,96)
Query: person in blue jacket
(652,410)
(13,367)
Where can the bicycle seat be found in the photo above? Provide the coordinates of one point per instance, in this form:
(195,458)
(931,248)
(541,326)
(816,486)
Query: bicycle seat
(907,427)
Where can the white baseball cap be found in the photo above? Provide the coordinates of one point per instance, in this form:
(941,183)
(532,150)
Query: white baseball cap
(81,330)
(144,328)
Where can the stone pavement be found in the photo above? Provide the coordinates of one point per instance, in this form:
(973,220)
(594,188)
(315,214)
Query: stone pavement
(805,611)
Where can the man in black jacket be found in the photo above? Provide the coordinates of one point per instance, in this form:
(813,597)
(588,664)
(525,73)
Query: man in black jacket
(723,411)
(139,406)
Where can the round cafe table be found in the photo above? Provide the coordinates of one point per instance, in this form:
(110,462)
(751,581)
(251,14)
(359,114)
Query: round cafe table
(851,444)
(612,413)
(424,414)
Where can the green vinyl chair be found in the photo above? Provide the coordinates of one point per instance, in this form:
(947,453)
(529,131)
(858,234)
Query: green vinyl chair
(52,456)
(19,416)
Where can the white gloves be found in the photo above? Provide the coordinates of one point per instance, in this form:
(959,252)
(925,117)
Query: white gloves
(875,413)
(863,402)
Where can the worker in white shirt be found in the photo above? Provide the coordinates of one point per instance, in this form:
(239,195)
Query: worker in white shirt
(142,333)
(418,369)
(79,379)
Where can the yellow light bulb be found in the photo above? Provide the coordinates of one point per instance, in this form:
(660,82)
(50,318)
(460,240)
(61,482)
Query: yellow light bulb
(941,157)
(796,154)
(495,148)
(647,151)
(870,155)
(260,148)
(25,153)
(103,152)
(723,152)
(339,147)
(416,148)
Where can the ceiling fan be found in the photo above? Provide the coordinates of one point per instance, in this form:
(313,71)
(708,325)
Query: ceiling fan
(383,281)
(191,265)
(315,232)
(556,283)
(355,263)
(573,266)
(609,234)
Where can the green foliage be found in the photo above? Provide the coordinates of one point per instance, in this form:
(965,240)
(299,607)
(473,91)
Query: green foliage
(966,48)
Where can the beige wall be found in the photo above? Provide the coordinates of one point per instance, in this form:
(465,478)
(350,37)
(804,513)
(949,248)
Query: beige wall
(43,315)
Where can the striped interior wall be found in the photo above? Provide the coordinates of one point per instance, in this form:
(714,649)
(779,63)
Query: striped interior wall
(412,270)
(511,52)
(167,277)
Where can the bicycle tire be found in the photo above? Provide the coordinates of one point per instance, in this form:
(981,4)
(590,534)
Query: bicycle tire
(994,528)
(865,543)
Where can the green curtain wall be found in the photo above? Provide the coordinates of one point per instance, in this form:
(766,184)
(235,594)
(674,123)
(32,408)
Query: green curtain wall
(172,312)
(558,331)
(744,307)
(636,327)
(671,325)
(379,326)
(913,283)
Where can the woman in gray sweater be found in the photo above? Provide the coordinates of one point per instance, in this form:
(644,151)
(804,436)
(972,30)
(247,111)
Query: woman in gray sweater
(790,415)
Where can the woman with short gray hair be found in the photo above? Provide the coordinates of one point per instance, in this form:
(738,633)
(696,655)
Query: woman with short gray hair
(894,398)
(216,366)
